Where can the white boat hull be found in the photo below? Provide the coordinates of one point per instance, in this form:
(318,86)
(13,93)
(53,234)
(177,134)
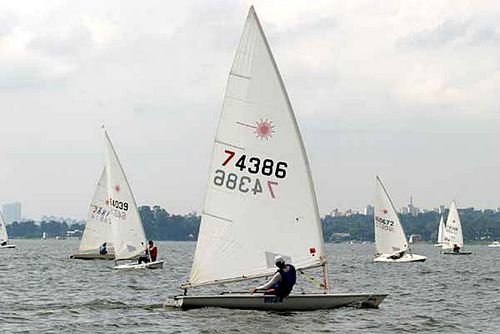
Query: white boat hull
(406,258)
(438,245)
(307,302)
(8,246)
(494,245)
(135,265)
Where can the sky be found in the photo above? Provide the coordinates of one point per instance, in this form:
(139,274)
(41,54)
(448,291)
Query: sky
(407,90)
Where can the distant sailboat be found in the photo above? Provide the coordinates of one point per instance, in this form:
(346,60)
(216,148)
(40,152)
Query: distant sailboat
(4,237)
(453,236)
(441,231)
(410,241)
(390,239)
(494,244)
(260,199)
(127,231)
(98,228)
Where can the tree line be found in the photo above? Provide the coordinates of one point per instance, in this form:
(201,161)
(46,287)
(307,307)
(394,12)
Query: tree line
(161,225)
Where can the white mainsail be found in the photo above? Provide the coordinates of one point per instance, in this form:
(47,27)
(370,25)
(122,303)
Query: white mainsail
(126,225)
(3,229)
(98,227)
(389,235)
(441,232)
(260,199)
(453,231)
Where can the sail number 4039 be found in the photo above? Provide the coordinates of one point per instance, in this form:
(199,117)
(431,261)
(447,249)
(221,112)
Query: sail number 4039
(254,165)
(243,184)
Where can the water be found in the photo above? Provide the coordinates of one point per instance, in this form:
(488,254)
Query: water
(41,290)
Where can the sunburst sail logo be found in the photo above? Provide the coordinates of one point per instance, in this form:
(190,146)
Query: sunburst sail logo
(263,129)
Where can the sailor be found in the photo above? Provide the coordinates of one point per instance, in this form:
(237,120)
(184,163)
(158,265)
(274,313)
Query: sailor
(102,249)
(153,250)
(150,253)
(281,284)
(397,256)
(456,248)
(3,243)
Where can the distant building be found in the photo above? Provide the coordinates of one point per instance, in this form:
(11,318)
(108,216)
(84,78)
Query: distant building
(12,212)
(369,210)
(335,213)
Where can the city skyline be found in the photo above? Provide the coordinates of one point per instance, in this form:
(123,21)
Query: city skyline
(394,90)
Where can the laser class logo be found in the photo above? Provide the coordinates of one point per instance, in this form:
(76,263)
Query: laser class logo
(263,129)
(117,188)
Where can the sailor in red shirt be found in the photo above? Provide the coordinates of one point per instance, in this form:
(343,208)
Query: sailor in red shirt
(151,253)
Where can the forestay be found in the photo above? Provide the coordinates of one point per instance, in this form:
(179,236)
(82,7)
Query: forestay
(126,225)
(260,200)
(98,227)
(453,235)
(3,229)
(389,235)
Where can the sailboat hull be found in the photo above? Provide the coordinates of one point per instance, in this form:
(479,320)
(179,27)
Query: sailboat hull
(406,258)
(8,246)
(92,256)
(457,253)
(134,265)
(438,245)
(307,302)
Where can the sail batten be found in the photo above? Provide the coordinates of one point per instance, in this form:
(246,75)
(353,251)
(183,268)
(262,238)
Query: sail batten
(389,235)
(261,181)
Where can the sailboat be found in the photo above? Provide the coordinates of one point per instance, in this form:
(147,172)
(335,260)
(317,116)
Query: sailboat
(4,237)
(127,230)
(441,228)
(98,228)
(390,239)
(453,233)
(260,200)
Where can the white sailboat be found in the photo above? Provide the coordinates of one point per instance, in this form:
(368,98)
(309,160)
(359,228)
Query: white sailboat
(127,231)
(4,237)
(453,235)
(441,231)
(260,199)
(494,244)
(98,228)
(390,239)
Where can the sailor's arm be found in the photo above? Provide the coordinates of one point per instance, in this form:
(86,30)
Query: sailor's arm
(275,279)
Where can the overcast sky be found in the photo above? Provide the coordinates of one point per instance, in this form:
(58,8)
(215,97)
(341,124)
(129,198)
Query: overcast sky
(408,90)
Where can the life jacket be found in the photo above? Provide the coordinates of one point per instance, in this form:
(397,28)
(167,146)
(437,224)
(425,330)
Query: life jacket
(103,250)
(288,279)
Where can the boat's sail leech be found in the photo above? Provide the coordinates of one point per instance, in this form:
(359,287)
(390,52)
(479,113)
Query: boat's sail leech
(389,235)
(98,226)
(126,225)
(260,200)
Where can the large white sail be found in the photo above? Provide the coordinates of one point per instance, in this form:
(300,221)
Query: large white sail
(260,200)
(453,235)
(441,232)
(126,225)
(389,235)
(3,229)
(98,227)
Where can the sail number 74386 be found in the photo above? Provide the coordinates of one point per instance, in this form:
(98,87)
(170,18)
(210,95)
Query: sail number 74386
(255,165)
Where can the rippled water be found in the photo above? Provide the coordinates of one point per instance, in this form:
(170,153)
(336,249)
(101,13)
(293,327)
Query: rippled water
(41,290)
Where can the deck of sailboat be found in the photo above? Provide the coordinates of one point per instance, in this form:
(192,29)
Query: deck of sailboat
(305,302)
